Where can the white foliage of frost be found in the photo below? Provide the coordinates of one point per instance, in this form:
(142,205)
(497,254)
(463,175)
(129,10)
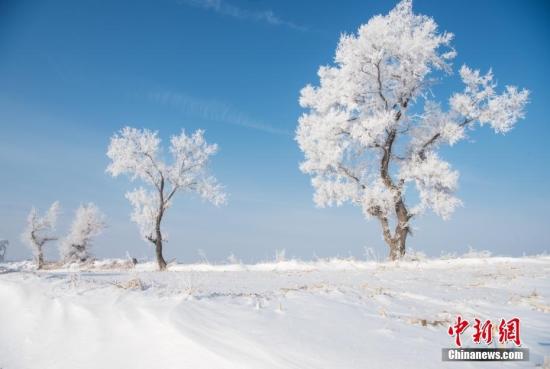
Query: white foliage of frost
(479,101)
(436,182)
(137,153)
(145,205)
(88,223)
(377,197)
(40,229)
(365,97)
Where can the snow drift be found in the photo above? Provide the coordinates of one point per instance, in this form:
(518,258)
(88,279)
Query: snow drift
(291,314)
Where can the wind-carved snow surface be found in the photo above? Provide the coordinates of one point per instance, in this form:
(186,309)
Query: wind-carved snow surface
(290,314)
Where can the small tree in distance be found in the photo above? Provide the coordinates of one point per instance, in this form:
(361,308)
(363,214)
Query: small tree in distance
(88,223)
(136,152)
(3,249)
(372,128)
(39,231)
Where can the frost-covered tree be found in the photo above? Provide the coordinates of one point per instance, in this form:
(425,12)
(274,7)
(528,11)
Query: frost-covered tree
(40,230)
(3,249)
(372,127)
(88,223)
(137,153)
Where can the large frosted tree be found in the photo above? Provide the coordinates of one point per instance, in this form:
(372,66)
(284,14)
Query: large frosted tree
(372,129)
(137,153)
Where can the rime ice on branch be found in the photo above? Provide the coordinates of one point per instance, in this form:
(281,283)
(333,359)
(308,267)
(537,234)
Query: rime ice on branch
(39,231)
(137,153)
(88,223)
(371,129)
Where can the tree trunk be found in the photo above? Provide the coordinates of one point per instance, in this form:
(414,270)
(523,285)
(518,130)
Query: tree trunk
(39,259)
(158,250)
(401,230)
(158,235)
(158,244)
(397,245)
(398,240)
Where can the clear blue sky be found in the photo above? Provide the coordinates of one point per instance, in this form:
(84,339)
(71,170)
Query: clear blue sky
(74,72)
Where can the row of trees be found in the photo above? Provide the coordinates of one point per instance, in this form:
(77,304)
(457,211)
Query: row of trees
(370,136)
(138,154)
(88,222)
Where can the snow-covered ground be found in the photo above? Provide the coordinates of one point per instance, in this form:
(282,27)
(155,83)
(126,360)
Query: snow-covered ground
(323,314)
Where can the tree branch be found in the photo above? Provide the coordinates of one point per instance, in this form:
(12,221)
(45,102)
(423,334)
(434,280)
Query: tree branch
(379,80)
(153,162)
(171,194)
(350,175)
(152,179)
(385,162)
(384,223)
(433,139)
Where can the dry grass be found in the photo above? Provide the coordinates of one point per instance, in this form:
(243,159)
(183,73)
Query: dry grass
(132,284)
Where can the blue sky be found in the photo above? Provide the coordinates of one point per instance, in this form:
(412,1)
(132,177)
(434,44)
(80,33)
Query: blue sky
(72,73)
